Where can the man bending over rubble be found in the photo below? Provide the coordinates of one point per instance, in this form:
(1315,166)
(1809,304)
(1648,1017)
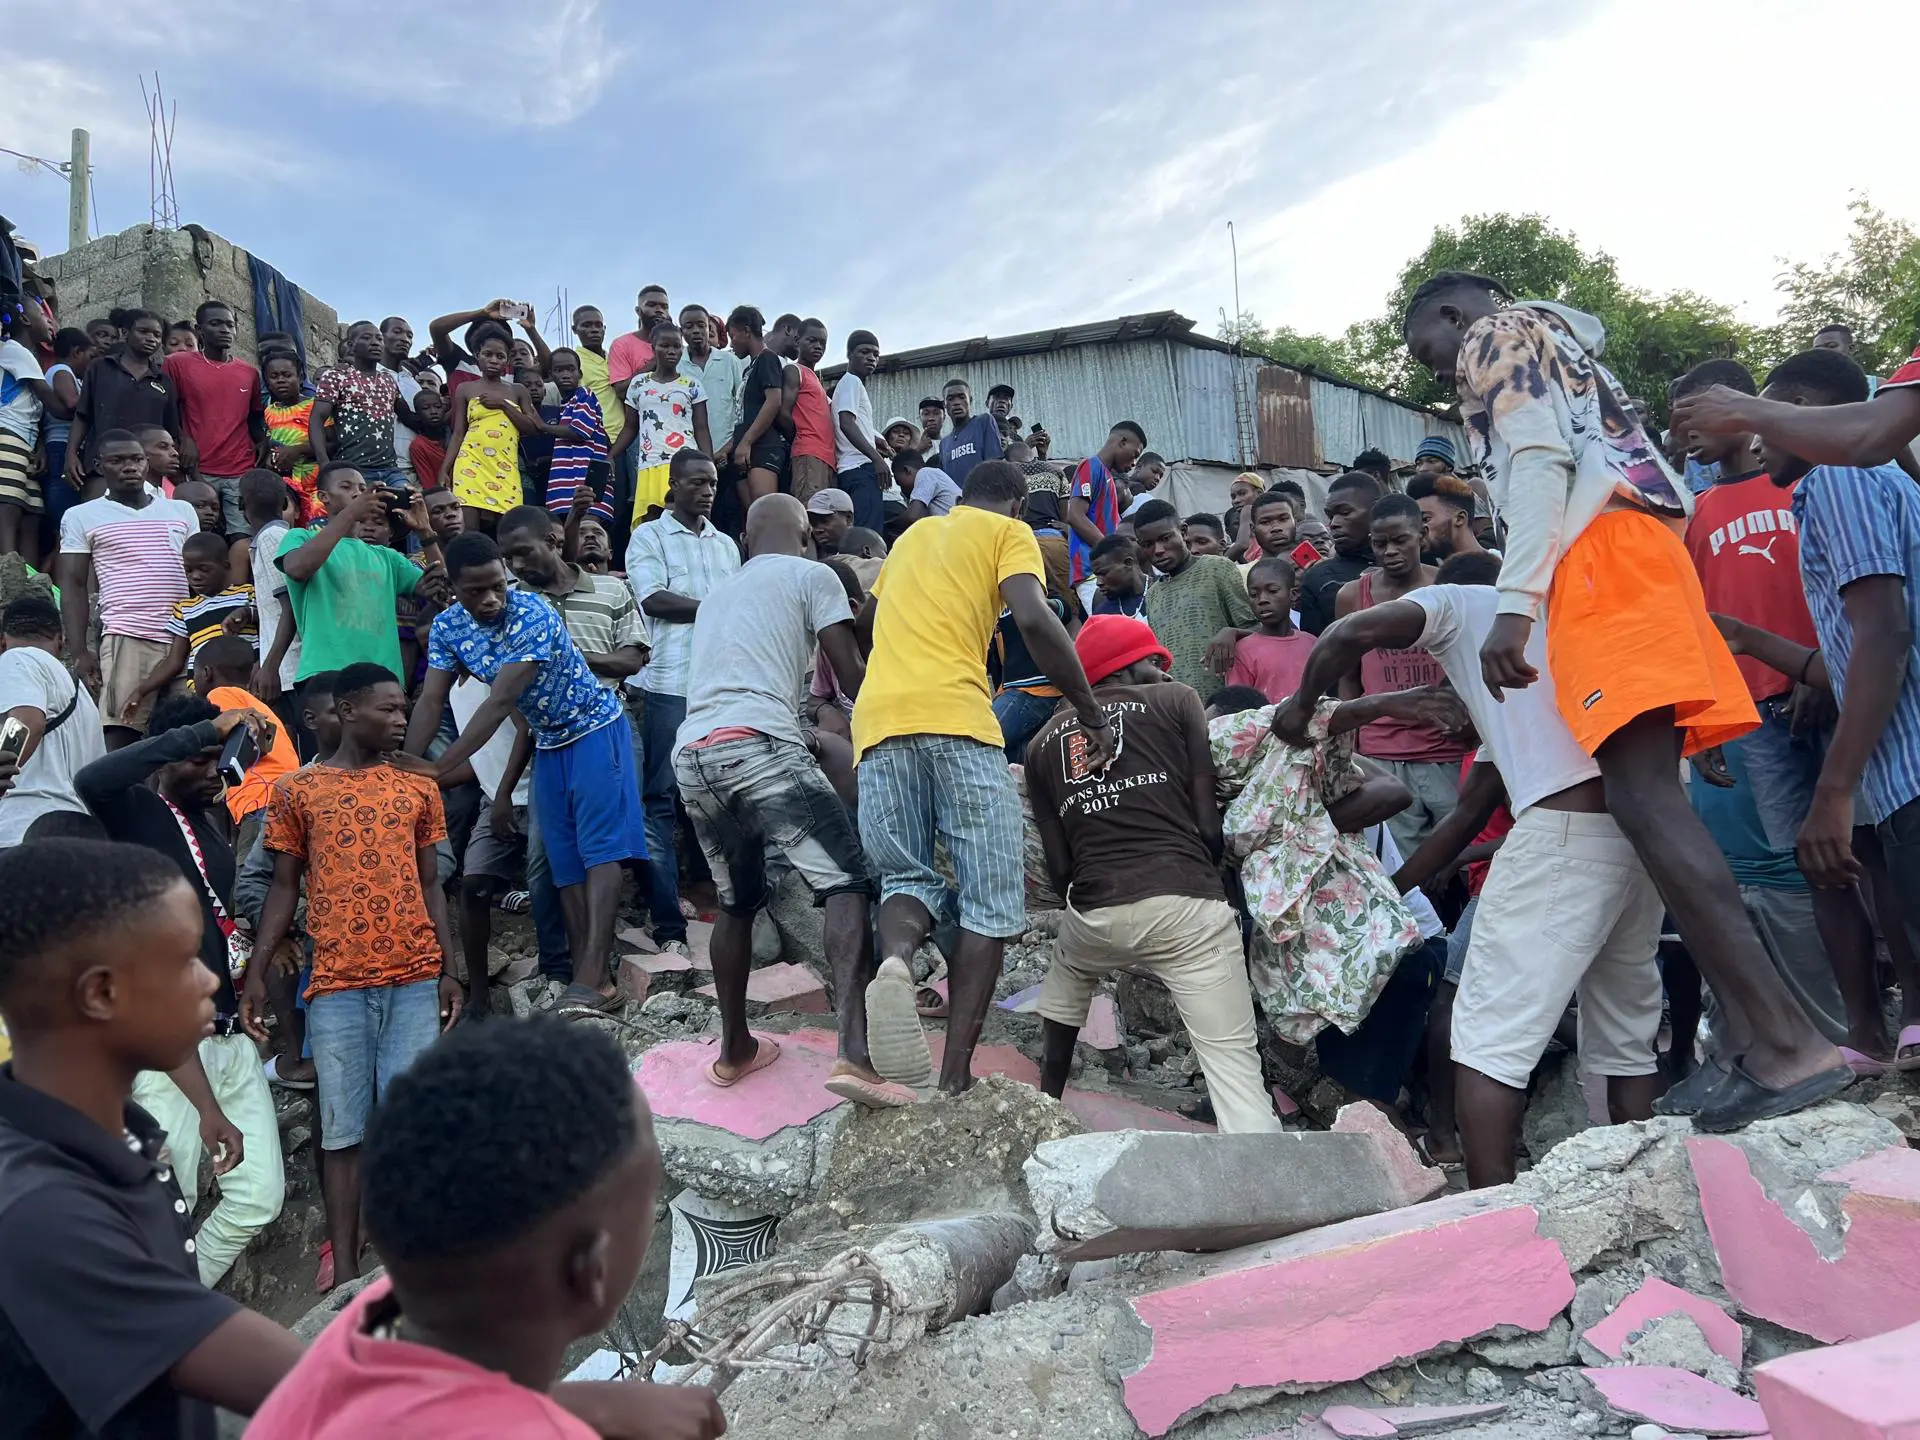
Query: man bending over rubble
(1135,850)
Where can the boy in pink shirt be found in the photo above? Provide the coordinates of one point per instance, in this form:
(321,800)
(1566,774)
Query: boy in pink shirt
(1273,658)
(496,1260)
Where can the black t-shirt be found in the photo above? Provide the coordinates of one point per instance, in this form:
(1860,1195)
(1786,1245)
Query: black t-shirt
(767,371)
(112,399)
(1320,587)
(100,1294)
(1131,829)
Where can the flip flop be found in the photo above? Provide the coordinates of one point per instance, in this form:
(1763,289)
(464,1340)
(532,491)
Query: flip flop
(1865,1066)
(576,999)
(874,1094)
(1906,1050)
(765,1055)
(516,902)
(274,1077)
(896,1045)
(1740,1099)
(934,1008)
(323,1276)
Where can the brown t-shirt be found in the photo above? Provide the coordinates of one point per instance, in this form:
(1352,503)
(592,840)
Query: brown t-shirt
(1131,829)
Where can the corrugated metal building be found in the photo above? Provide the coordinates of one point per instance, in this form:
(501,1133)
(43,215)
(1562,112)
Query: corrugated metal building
(1210,411)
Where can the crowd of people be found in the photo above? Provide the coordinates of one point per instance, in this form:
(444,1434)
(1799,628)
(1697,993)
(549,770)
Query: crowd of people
(304,676)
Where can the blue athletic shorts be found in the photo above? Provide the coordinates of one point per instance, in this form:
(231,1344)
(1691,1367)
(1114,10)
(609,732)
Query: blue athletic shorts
(588,796)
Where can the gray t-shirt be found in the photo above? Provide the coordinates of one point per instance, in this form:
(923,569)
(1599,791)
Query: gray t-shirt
(753,646)
(31,678)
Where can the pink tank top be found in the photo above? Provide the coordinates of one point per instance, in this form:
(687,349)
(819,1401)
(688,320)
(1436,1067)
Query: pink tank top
(1381,673)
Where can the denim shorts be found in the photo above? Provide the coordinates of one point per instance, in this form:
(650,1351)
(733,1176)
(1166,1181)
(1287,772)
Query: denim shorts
(913,787)
(756,793)
(361,1039)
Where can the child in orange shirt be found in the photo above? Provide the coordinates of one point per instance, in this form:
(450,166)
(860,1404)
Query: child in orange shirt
(221,673)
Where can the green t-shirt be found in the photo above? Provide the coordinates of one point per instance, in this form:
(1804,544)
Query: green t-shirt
(1187,610)
(345,612)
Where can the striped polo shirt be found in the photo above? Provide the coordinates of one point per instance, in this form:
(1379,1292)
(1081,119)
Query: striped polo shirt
(1856,523)
(599,614)
(136,560)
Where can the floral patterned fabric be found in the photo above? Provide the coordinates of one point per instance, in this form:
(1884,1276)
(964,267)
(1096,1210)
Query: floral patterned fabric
(1328,926)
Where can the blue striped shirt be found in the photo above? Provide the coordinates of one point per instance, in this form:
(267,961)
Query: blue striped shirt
(1855,523)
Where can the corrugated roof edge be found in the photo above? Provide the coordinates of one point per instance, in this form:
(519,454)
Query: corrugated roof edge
(1155,325)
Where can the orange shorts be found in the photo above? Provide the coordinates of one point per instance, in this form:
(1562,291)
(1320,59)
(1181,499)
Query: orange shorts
(1628,632)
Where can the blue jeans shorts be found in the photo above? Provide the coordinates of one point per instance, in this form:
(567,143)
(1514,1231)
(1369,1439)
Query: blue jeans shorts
(361,1039)
(913,787)
(588,796)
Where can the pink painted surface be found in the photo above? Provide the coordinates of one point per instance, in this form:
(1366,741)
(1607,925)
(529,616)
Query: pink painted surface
(1350,1422)
(1283,1103)
(1412,1178)
(658,962)
(1422,1419)
(1890,1174)
(792,989)
(1657,1298)
(700,943)
(1336,1303)
(1677,1399)
(1869,1390)
(788,1092)
(637,938)
(1102,1030)
(1021,1001)
(990,1060)
(1771,1268)
(1102,1111)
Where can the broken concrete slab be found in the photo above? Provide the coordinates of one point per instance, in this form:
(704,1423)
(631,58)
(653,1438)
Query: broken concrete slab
(1102,1030)
(658,962)
(1834,1255)
(639,939)
(1869,1390)
(1656,1298)
(1336,1303)
(1414,1179)
(1350,1422)
(1677,1342)
(1115,1194)
(1101,1110)
(1676,1399)
(1517,1350)
(780,989)
(1359,1421)
(634,982)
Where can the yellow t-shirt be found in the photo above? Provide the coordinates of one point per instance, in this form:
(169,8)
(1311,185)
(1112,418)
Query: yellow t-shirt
(593,374)
(928,671)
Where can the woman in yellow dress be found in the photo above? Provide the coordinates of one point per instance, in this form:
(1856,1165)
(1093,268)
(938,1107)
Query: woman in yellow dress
(492,413)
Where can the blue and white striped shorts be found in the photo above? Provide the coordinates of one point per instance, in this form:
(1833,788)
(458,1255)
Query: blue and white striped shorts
(914,786)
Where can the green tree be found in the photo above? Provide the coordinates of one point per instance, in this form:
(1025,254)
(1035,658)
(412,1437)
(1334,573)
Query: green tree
(1872,287)
(1288,346)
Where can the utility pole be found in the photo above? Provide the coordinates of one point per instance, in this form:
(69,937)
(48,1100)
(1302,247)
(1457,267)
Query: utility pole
(78,174)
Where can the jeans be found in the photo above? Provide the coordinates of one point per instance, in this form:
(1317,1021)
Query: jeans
(251,1192)
(660,723)
(1021,715)
(862,484)
(361,1040)
(392,477)
(233,515)
(549,923)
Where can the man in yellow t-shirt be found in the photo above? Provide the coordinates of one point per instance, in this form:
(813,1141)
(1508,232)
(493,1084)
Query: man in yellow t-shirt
(930,753)
(590,329)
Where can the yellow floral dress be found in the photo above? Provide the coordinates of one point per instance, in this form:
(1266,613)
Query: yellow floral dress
(486,472)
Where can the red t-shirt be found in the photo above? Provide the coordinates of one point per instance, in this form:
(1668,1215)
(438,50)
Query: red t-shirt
(427,456)
(350,1385)
(1271,664)
(1907,374)
(626,358)
(215,400)
(1746,546)
(812,419)
(1496,828)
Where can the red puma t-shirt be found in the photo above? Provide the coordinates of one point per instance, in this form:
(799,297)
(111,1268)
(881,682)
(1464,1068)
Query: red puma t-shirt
(1746,546)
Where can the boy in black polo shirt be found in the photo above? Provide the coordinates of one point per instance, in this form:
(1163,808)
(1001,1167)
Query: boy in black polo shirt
(105,1328)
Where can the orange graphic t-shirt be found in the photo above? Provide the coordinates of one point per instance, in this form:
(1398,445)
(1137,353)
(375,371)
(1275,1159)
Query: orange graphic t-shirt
(360,833)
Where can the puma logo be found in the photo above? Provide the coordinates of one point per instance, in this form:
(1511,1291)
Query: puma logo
(1763,550)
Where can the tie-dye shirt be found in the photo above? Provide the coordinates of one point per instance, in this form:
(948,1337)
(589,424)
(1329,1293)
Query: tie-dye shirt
(292,425)
(1551,429)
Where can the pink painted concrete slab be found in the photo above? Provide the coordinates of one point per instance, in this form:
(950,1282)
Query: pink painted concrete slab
(1650,1302)
(655,962)
(1425,1419)
(783,988)
(1102,1030)
(1350,1422)
(1412,1177)
(700,943)
(791,1091)
(1283,1103)
(1102,1111)
(1869,1390)
(1889,1174)
(1677,1399)
(1771,1267)
(1336,1303)
(990,1060)
(637,938)
(1021,1002)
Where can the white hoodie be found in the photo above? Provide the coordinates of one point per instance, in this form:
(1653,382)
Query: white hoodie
(1551,428)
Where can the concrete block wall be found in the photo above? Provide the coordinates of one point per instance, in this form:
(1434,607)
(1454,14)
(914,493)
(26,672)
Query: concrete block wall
(171,272)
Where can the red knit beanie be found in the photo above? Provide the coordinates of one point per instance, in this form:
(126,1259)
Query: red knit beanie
(1107,643)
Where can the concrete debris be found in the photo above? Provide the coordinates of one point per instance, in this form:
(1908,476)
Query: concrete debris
(332,1303)
(1677,1342)
(1483,1384)
(1862,1391)
(1517,1350)
(1035,1277)
(780,989)
(1361,1421)
(941,1271)
(1677,1400)
(1107,1194)
(1557,1110)
(1651,1301)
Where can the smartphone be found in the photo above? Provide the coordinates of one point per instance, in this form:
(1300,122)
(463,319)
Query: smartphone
(1304,555)
(13,738)
(238,755)
(518,313)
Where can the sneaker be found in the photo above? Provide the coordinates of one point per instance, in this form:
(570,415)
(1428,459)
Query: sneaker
(675,947)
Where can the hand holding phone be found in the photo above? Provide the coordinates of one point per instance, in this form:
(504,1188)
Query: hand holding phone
(13,739)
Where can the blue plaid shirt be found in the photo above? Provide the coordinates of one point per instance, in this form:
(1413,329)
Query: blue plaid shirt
(565,700)
(1855,523)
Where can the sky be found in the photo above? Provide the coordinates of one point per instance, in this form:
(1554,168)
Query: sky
(933,173)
